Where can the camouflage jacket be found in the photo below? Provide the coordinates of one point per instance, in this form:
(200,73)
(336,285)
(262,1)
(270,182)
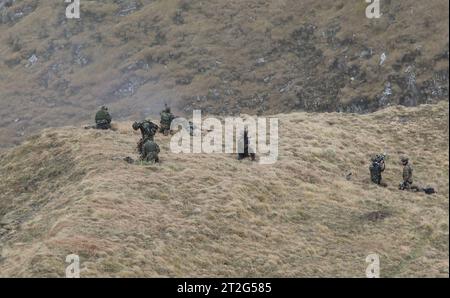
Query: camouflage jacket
(408,174)
(375,172)
(152,147)
(166,118)
(102,116)
(148,129)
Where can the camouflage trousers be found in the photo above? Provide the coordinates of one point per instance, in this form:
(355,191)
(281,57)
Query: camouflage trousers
(140,144)
(379,181)
(164,129)
(151,157)
(150,151)
(103,125)
(409,186)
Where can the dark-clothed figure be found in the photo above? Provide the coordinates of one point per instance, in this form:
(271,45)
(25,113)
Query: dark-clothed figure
(166,120)
(245,143)
(103,119)
(376,168)
(408,183)
(148,131)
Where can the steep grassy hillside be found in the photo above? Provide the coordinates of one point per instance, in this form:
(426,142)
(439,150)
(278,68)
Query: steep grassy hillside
(68,191)
(226,57)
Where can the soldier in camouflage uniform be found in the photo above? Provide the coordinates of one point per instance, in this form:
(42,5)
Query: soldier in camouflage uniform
(407,183)
(103,119)
(150,151)
(376,168)
(166,120)
(148,131)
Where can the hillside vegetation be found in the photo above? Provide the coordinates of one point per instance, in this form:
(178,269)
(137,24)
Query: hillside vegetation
(225,57)
(68,191)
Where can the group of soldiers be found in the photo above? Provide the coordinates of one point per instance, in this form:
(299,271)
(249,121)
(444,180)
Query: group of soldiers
(149,150)
(378,166)
(147,147)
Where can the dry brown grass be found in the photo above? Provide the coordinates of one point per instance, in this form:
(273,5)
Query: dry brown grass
(68,191)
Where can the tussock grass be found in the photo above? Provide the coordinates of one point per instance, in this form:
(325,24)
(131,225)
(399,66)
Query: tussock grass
(68,191)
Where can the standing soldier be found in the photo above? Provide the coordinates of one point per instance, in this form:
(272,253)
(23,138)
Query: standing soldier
(166,120)
(376,168)
(407,183)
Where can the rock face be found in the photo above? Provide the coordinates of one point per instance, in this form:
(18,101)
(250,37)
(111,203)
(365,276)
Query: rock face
(224,57)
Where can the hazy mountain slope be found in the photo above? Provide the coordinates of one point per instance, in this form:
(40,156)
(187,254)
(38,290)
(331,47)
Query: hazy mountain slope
(68,191)
(226,57)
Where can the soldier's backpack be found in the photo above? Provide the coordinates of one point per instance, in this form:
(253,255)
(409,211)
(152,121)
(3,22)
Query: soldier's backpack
(429,190)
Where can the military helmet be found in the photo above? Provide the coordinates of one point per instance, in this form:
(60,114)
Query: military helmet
(104,108)
(377,158)
(404,159)
(136,125)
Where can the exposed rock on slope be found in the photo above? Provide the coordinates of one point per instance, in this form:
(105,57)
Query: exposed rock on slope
(225,57)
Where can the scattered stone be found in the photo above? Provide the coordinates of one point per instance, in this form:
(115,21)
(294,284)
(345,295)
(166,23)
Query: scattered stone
(184,81)
(387,93)
(128,7)
(78,56)
(366,54)
(349,176)
(32,60)
(260,61)
(383,58)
